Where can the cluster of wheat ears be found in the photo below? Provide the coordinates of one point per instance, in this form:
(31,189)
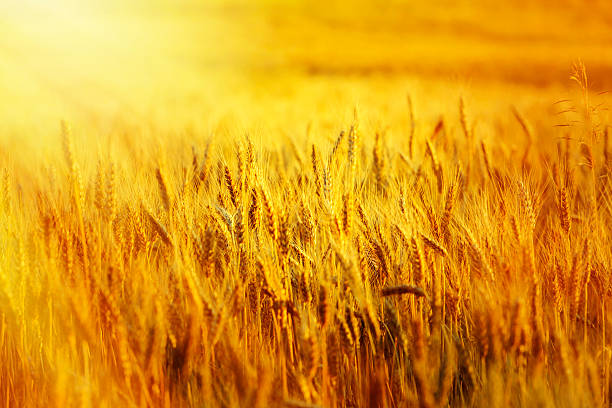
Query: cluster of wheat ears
(432,269)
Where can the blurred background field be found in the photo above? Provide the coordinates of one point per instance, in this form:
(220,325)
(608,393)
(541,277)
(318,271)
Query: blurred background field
(219,65)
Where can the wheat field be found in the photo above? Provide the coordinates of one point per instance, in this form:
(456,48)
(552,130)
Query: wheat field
(305,204)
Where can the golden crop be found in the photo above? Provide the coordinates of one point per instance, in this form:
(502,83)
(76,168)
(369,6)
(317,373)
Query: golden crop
(304,205)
